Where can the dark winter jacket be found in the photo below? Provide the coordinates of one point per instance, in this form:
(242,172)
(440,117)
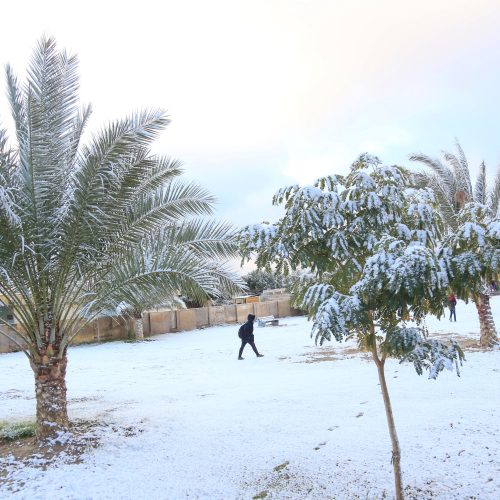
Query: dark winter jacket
(247,330)
(452,301)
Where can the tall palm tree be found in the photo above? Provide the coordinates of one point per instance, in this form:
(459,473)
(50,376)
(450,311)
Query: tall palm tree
(74,216)
(450,179)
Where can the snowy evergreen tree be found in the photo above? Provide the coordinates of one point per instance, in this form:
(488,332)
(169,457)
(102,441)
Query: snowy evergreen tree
(370,240)
(451,181)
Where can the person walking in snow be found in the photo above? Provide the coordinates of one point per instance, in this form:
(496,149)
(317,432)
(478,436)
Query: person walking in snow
(247,337)
(452,301)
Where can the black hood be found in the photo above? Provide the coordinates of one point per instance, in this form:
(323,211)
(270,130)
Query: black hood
(251,317)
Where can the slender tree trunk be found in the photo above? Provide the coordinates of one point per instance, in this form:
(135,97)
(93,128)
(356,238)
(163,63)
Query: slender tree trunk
(51,403)
(396,451)
(486,324)
(139,326)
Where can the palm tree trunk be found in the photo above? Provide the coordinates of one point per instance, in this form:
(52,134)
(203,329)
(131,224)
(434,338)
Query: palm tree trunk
(51,403)
(396,451)
(139,326)
(486,324)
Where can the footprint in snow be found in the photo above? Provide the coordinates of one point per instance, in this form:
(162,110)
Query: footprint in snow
(319,445)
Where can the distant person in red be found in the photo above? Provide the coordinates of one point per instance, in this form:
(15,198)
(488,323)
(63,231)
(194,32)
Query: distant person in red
(452,301)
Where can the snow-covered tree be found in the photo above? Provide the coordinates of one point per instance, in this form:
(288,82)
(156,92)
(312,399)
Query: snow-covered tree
(450,179)
(473,254)
(259,280)
(370,240)
(74,217)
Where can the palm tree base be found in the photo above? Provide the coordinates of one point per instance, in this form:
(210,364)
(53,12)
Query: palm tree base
(487,328)
(51,404)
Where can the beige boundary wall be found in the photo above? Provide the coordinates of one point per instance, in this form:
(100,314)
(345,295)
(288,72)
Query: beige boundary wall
(166,321)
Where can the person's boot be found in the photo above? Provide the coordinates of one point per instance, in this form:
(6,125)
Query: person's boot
(240,358)
(260,355)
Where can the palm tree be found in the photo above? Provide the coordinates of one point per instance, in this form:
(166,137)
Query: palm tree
(73,217)
(451,181)
(196,251)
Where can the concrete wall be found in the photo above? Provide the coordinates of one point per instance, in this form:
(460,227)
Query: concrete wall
(231,313)
(158,322)
(162,322)
(243,311)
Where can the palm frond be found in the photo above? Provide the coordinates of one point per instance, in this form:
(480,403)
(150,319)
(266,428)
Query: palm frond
(465,166)
(444,198)
(480,188)
(442,171)
(494,195)
(52,93)
(18,111)
(146,173)
(144,287)
(79,124)
(460,169)
(121,137)
(208,238)
(9,216)
(158,171)
(166,206)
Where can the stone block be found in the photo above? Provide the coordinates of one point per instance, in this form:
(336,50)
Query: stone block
(243,310)
(162,322)
(186,319)
(216,315)
(231,314)
(283,307)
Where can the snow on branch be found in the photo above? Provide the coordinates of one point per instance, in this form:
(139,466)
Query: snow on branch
(334,314)
(435,356)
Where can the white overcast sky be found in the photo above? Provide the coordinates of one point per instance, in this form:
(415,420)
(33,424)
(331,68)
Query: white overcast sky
(265,93)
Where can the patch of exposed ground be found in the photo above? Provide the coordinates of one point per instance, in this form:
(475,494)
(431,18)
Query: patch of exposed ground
(466,342)
(333,354)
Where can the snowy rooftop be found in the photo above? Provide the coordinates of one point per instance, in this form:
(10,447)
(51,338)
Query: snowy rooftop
(183,418)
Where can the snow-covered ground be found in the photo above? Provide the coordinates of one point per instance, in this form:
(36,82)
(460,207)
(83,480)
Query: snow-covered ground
(301,422)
